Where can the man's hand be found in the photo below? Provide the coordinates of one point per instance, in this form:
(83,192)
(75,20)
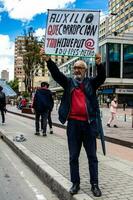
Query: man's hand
(98,58)
(43,55)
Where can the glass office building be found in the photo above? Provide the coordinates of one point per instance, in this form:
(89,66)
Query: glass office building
(116,47)
(117,55)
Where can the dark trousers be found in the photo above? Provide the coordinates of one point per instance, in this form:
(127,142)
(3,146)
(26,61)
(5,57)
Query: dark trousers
(44,117)
(49,119)
(3,114)
(79,133)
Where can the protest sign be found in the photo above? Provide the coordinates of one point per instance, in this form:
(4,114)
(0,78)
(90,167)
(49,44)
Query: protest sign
(72,32)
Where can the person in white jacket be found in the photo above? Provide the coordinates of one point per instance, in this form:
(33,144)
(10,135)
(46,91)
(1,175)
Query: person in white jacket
(113,110)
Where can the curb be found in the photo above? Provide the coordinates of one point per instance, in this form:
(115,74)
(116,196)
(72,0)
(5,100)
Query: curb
(108,139)
(33,118)
(53,179)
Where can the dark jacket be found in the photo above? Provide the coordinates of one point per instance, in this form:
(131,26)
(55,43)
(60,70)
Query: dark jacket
(90,86)
(2,100)
(43,100)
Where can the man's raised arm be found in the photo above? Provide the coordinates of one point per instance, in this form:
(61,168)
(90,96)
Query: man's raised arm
(101,74)
(58,76)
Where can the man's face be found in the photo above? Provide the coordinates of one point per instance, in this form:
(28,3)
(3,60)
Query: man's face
(79,70)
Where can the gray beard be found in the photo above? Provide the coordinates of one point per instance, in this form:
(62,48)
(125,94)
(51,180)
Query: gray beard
(78,78)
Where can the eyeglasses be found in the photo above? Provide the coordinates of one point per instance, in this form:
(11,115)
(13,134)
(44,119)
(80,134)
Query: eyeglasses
(78,68)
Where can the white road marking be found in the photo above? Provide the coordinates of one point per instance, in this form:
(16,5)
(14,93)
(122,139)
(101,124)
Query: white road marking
(38,195)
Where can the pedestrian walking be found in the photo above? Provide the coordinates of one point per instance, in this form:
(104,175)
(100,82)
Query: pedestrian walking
(49,115)
(79,106)
(42,103)
(2,104)
(113,111)
(49,123)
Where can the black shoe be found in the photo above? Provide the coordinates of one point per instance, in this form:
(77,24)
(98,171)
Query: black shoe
(44,134)
(108,125)
(37,133)
(115,126)
(74,189)
(96,191)
(51,132)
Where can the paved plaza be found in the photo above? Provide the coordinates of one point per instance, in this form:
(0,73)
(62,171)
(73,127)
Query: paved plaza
(48,157)
(123,133)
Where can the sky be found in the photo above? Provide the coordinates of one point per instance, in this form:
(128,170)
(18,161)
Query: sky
(18,15)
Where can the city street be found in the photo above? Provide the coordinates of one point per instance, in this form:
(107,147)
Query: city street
(115,169)
(17,181)
(58,60)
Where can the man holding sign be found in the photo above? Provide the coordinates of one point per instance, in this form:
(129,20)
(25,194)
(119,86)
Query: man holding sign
(79,106)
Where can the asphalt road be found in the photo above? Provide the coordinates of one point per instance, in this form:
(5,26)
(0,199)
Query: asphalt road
(17,181)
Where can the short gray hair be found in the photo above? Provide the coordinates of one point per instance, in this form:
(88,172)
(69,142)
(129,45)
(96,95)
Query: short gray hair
(81,62)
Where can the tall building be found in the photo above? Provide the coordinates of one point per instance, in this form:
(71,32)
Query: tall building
(18,62)
(5,75)
(121,16)
(40,73)
(116,47)
(104,28)
(119,20)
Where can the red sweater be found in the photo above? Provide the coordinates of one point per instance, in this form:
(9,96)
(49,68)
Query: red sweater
(78,105)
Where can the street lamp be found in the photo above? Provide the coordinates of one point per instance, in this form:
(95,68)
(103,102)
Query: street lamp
(114,14)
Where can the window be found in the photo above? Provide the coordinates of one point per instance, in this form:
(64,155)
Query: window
(131,14)
(113,61)
(128,61)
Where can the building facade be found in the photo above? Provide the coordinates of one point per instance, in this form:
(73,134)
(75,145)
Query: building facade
(121,16)
(116,47)
(5,75)
(40,73)
(117,55)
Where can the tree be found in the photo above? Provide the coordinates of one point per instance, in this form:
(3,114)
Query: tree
(14,85)
(31,58)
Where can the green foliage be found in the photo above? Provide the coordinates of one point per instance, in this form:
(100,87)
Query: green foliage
(26,94)
(31,58)
(14,85)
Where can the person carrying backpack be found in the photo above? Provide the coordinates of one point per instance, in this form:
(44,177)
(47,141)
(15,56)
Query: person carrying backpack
(2,104)
(42,103)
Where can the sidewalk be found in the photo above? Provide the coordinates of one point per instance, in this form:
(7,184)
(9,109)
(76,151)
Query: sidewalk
(48,157)
(122,135)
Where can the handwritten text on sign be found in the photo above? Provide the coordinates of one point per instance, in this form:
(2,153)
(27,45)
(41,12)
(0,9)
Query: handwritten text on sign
(72,33)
